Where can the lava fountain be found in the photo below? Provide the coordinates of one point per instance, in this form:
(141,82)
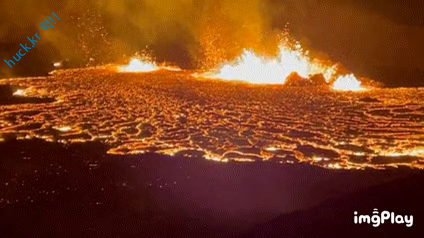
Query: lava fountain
(252,68)
(348,83)
(138,65)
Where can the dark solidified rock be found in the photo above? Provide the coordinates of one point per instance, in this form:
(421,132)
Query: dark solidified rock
(294,79)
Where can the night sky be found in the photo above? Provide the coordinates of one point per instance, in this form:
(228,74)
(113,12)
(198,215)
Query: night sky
(377,39)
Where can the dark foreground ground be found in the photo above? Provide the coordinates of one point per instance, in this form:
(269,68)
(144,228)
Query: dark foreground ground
(55,190)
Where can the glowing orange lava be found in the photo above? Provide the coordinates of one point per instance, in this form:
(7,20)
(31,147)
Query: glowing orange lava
(348,83)
(255,69)
(172,114)
(138,65)
(19,92)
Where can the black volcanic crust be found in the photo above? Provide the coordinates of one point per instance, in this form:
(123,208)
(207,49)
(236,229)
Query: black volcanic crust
(55,190)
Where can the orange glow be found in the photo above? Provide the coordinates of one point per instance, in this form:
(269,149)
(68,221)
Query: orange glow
(215,158)
(218,123)
(255,69)
(419,151)
(63,128)
(334,166)
(291,58)
(348,83)
(138,65)
(57,64)
(19,92)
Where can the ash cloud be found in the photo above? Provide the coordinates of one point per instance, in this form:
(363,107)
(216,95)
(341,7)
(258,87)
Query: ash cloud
(365,36)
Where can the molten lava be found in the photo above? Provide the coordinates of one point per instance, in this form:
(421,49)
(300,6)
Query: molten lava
(251,68)
(255,69)
(19,92)
(138,65)
(170,113)
(348,83)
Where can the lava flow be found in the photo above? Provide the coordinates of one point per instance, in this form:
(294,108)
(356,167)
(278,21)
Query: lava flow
(135,111)
(173,113)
